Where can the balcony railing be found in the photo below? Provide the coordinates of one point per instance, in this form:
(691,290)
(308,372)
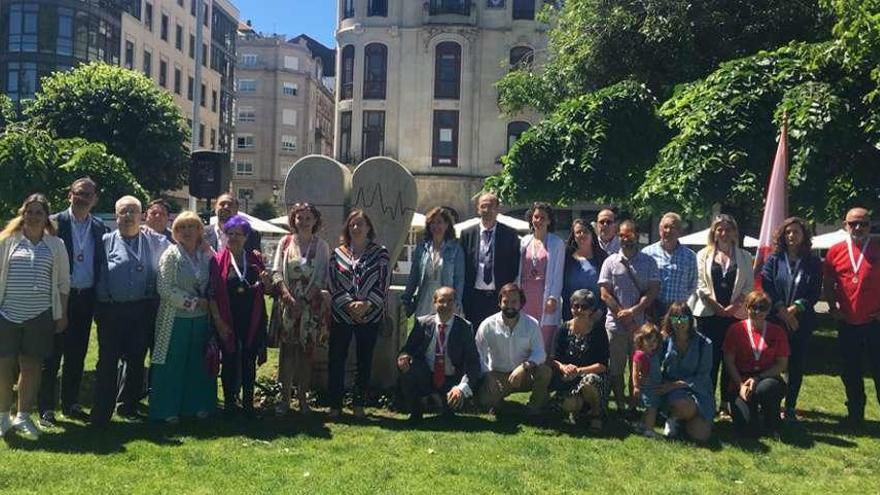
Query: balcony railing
(446,7)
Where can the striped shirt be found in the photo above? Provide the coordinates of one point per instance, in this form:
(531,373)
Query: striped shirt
(28,282)
(364,279)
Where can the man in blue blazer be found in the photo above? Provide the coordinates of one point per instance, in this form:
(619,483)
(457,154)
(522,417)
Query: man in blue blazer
(81,232)
(439,357)
(491,256)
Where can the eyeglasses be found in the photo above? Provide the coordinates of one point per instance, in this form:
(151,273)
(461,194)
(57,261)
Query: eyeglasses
(761,308)
(857,223)
(677,319)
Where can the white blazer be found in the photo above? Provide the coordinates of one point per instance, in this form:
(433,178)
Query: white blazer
(555,272)
(743,284)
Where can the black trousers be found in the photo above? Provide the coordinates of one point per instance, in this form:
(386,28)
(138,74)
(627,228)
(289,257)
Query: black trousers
(365,336)
(418,382)
(479,305)
(239,373)
(855,341)
(797,341)
(715,328)
(761,412)
(124,333)
(71,347)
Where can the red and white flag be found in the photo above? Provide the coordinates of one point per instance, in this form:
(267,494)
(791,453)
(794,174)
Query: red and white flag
(775,203)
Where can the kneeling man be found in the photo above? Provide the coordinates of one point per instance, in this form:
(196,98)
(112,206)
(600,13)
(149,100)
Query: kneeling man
(439,357)
(512,353)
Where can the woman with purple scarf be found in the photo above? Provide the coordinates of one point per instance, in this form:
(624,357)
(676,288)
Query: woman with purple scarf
(238,280)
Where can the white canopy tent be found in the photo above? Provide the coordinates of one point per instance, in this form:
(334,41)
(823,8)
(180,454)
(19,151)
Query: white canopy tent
(521,226)
(260,226)
(700,238)
(825,241)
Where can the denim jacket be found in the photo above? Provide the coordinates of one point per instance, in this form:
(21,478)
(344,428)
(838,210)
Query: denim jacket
(452,274)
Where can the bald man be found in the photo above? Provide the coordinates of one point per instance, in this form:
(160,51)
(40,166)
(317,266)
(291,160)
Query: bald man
(226,207)
(852,289)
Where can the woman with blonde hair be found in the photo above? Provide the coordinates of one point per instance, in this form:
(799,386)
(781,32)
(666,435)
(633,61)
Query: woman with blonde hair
(181,383)
(34,287)
(725,275)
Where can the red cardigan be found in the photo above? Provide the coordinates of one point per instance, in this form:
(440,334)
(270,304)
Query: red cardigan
(219,272)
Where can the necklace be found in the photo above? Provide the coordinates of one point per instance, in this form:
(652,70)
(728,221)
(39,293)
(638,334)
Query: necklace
(241,273)
(852,259)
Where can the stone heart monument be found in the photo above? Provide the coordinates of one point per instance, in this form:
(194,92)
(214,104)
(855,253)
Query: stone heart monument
(387,192)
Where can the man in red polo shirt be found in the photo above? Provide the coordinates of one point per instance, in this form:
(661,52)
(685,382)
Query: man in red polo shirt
(852,289)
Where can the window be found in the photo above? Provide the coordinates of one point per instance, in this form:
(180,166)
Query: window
(445,146)
(288,143)
(207,16)
(21,80)
(177,80)
(178,37)
(245,195)
(347,9)
(244,141)
(201,135)
(213,138)
(163,73)
(447,71)
(192,46)
(377,8)
(148,16)
(148,63)
(345,137)
(289,89)
(514,131)
(244,168)
(23,28)
(192,7)
(163,27)
(524,9)
(247,85)
(521,56)
(347,81)
(180,2)
(288,117)
(246,114)
(375,71)
(249,59)
(213,100)
(291,63)
(129,55)
(458,7)
(373,138)
(203,98)
(190,89)
(205,55)
(64,39)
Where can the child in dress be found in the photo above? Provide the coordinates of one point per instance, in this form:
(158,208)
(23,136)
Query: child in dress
(646,374)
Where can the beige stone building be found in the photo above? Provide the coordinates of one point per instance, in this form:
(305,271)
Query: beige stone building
(159,39)
(416,82)
(284,111)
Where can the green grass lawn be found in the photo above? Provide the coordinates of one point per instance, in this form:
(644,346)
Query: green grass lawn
(468,455)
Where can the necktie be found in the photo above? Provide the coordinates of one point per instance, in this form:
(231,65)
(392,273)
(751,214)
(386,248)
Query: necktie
(487,257)
(440,358)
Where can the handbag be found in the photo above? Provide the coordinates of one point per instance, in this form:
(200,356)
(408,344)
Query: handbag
(273,341)
(652,312)
(212,356)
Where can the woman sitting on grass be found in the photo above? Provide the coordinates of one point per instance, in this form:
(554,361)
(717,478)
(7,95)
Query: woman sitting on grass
(686,366)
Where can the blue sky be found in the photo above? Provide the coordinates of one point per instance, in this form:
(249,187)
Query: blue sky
(316,18)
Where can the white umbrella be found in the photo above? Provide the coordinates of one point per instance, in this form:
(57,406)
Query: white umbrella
(260,226)
(521,226)
(700,239)
(825,241)
(279,221)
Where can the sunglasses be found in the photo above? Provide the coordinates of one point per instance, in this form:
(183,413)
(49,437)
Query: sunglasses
(679,319)
(580,307)
(858,223)
(761,308)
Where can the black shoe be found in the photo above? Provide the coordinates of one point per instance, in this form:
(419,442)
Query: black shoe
(75,412)
(47,420)
(128,413)
(415,417)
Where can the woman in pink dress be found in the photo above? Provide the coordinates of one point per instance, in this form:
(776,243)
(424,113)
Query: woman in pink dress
(542,261)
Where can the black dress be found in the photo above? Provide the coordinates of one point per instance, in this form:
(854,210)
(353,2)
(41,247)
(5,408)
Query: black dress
(582,350)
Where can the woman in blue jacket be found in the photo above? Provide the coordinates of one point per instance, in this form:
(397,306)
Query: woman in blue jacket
(437,261)
(792,277)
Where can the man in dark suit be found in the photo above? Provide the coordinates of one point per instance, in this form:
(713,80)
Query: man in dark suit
(439,357)
(491,254)
(225,208)
(81,232)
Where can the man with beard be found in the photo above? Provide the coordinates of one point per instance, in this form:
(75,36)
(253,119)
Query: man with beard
(606,226)
(629,283)
(225,208)
(512,354)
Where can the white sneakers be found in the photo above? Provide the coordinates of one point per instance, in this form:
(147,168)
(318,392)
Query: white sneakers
(5,423)
(26,427)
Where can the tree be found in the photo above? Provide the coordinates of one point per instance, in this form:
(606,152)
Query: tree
(33,161)
(7,113)
(136,120)
(264,210)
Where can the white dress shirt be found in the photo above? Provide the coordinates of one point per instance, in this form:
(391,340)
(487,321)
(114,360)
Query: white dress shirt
(463,386)
(502,349)
(479,284)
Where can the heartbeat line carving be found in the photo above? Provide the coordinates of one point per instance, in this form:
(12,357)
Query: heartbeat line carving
(395,209)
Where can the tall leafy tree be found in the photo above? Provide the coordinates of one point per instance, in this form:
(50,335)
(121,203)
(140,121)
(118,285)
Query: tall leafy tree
(136,120)
(6,111)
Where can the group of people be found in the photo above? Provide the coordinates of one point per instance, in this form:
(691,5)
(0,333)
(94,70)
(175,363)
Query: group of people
(493,313)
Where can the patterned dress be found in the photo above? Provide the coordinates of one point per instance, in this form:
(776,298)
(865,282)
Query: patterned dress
(303,273)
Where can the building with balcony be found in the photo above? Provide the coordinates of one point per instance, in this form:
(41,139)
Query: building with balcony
(284,110)
(416,82)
